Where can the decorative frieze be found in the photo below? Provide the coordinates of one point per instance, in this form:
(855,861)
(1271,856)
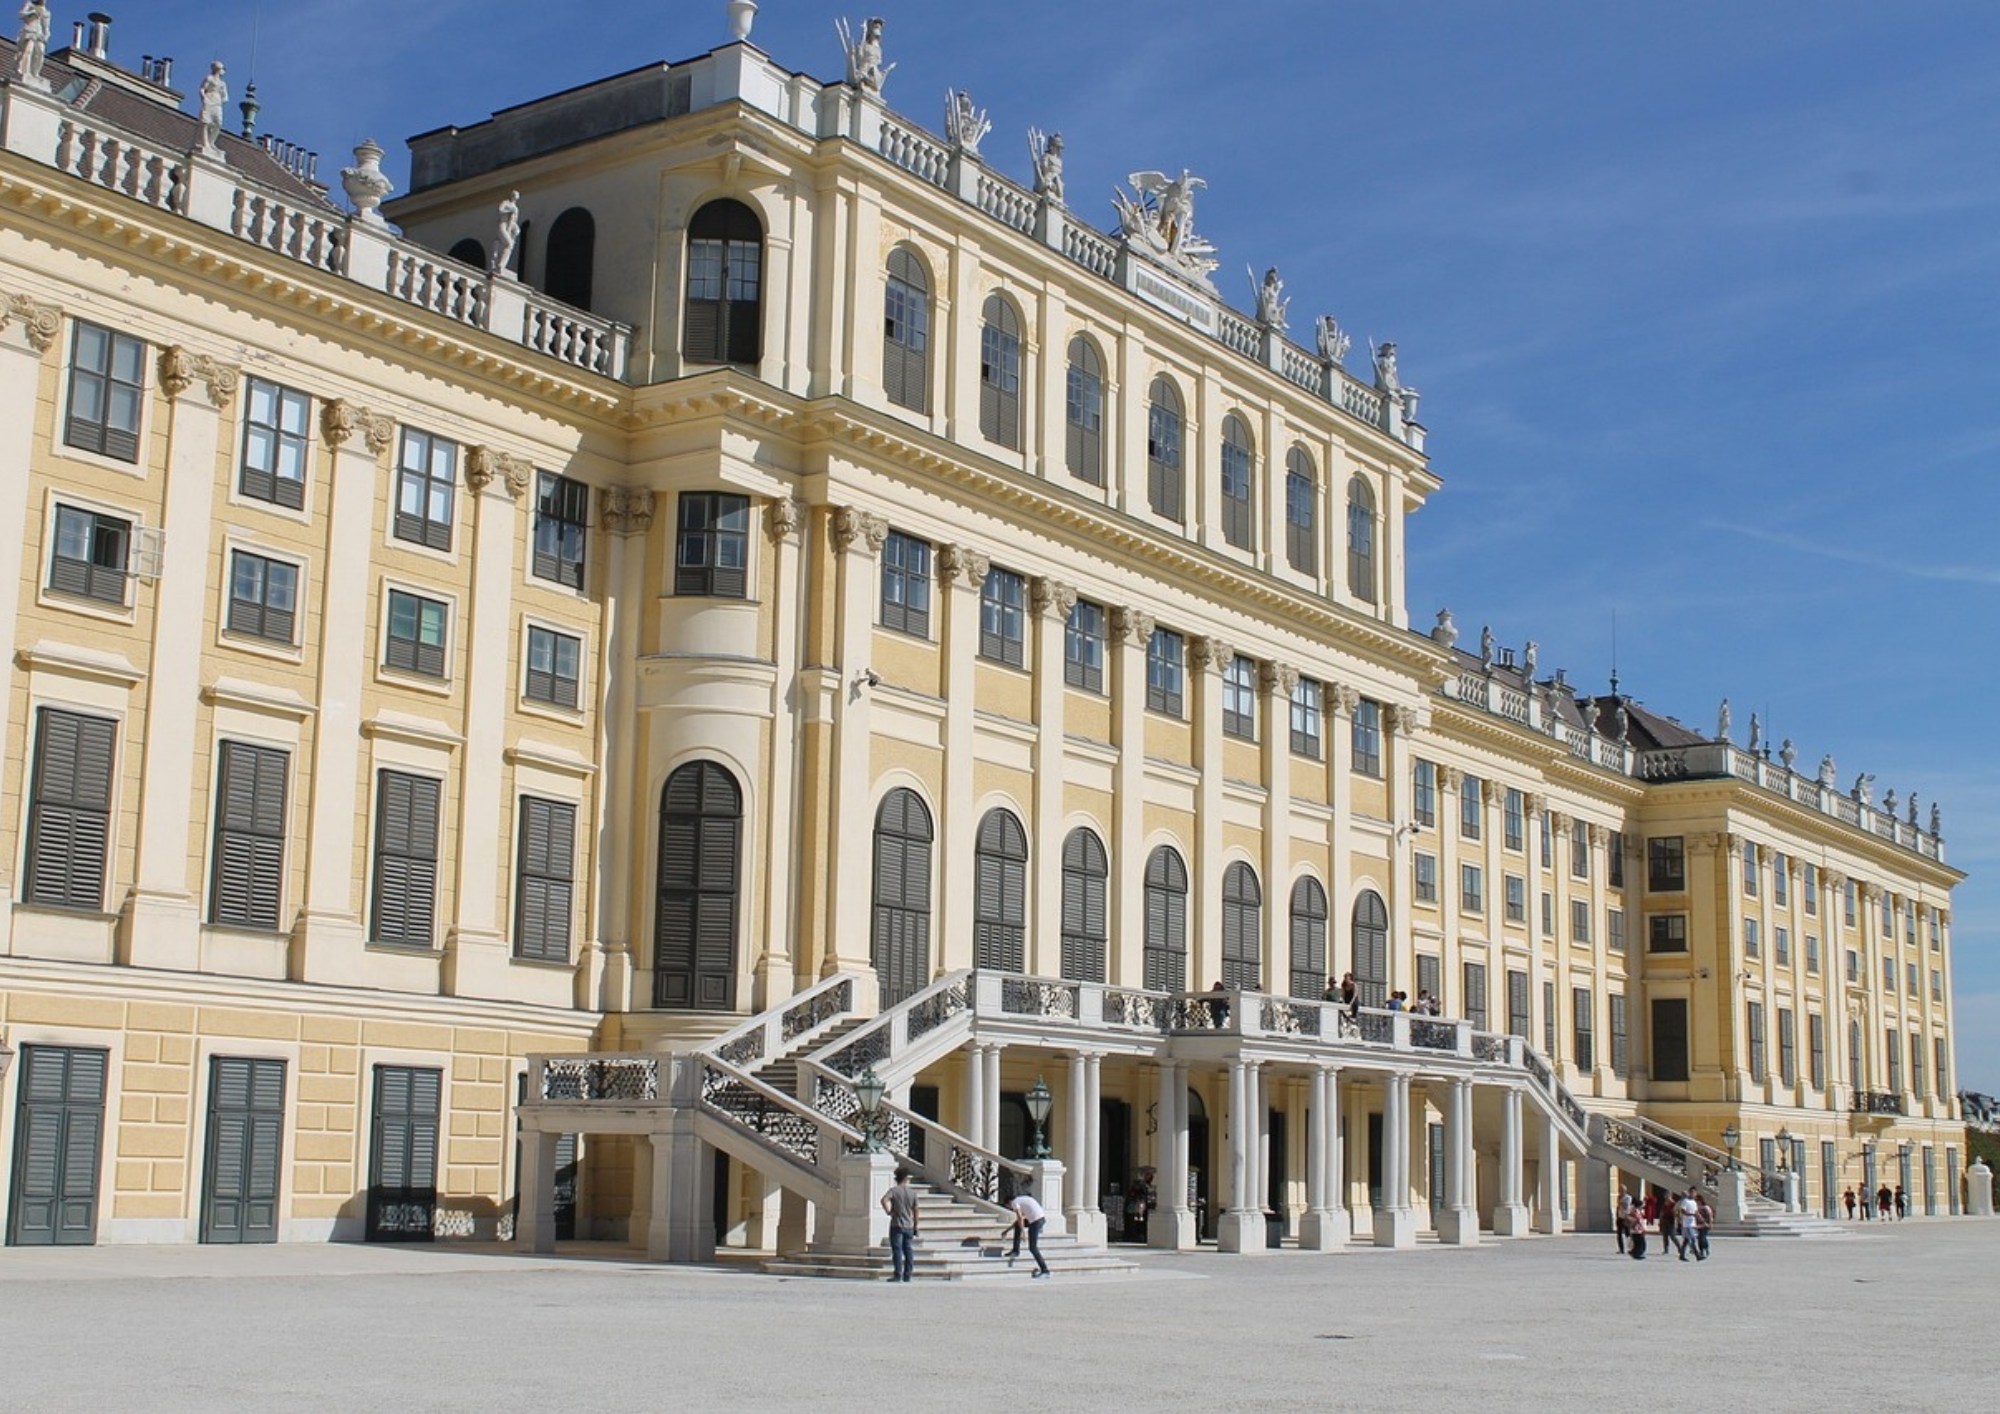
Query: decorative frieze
(1051,596)
(963,562)
(181,370)
(626,510)
(851,524)
(483,464)
(40,322)
(340,419)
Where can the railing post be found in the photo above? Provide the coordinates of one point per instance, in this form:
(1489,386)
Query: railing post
(986,994)
(207,190)
(368,254)
(29,123)
(1399,1030)
(1464,1046)
(1090,1004)
(506,308)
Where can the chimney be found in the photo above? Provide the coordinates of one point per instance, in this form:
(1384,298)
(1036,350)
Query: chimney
(76,36)
(100,35)
(166,71)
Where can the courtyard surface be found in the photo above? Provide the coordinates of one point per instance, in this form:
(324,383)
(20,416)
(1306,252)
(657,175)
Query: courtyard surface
(1900,1317)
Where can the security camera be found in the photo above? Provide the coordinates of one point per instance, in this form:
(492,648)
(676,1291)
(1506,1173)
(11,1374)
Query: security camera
(867,677)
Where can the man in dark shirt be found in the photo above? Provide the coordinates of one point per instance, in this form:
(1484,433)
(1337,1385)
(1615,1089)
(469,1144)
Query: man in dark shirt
(900,1203)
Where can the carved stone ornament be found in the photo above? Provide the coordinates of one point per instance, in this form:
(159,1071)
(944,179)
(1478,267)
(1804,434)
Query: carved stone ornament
(1536,804)
(39,322)
(1344,698)
(783,517)
(1047,595)
(1132,625)
(963,562)
(850,524)
(1835,880)
(483,464)
(1406,720)
(1216,653)
(340,419)
(181,370)
(1281,678)
(1600,836)
(627,510)
(1450,777)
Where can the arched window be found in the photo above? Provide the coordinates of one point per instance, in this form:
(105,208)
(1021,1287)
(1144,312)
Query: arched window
(471,252)
(900,932)
(1166,922)
(1000,372)
(1084,451)
(1301,512)
(1084,874)
(1239,525)
(1000,893)
(1242,926)
(1360,540)
(1371,948)
(906,324)
(1309,977)
(1163,450)
(724,320)
(569,260)
(694,926)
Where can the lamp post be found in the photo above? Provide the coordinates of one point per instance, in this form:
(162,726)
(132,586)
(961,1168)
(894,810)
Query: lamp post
(868,1090)
(1785,1150)
(1040,1102)
(1730,1137)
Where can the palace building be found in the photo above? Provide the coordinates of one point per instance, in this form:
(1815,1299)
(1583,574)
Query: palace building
(734,631)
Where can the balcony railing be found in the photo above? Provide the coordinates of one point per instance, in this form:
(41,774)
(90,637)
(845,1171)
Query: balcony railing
(1877,1102)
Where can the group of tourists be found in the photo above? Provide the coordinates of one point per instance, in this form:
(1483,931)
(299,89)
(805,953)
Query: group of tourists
(1884,1203)
(1682,1222)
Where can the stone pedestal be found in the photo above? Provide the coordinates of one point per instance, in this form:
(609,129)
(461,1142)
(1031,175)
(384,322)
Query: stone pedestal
(1324,1230)
(1395,1227)
(1170,1230)
(859,1223)
(1730,1196)
(1458,1227)
(1510,1220)
(1242,1230)
(1047,1177)
(1979,1190)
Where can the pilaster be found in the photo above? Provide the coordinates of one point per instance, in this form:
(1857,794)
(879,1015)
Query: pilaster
(774,973)
(858,537)
(1276,682)
(1207,658)
(962,574)
(1050,602)
(1131,634)
(626,519)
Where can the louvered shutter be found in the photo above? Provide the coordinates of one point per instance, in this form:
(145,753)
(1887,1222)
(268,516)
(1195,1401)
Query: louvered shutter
(402,1197)
(1475,994)
(69,819)
(696,924)
(59,1146)
(1308,963)
(544,895)
(406,859)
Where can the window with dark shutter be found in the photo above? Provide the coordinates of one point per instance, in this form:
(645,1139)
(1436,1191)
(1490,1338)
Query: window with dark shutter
(1475,994)
(416,638)
(1788,1048)
(1238,516)
(91,554)
(263,597)
(554,667)
(246,1132)
(1166,922)
(402,1165)
(1360,541)
(1301,512)
(58,1146)
(1366,737)
(906,332)
(1584,1010)
(406,850)
(69,810)
(1083,647)
(1620,1043)
(1309,976)
(1165,669)
(248,869)
(562,520)
(906,585)
(107,388)
(544,880)
(1000,893)
(1000,373)
(1430,974)
(276,420)
(1083,448)
(426,489)
(1755,1029)
(694,927)
(1239,698)
(1518,1020)
(1085,874)
(900,926)
(724,316)
(1670,1038)
(712,547)
(1371,948)
(1242,927)
(1163,451)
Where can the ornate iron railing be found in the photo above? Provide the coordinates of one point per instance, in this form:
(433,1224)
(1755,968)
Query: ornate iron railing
(1025,996)
(1489,1047)
(745,1050)
(781,1121)
(931,1012)
(605,1078)
(864,1050)
(1433,1035)
(1287,1018)
(1205,1012)
(1773,1186)
(1876,1102)
(1376,1027)
(1144,1011)
(816,1009)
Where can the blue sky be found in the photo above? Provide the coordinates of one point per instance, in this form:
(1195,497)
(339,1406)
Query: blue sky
(1704,299)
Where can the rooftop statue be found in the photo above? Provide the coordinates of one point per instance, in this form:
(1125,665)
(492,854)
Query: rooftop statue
(964,124)
(1756,734)
(1624,721)
(1158,218)
(1787,753)
(31,46)
(1528,657)
(214,94)
(865,68)
(1446,631)
(507,237)
(1722,721)
(1271,302)
(1386,378)
(1487,642)
(1937,819)
(1829,774)
(1864,788)
(1047,153)
(1333,340)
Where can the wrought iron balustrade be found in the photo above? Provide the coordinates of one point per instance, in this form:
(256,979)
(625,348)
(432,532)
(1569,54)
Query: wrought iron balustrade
(601,1078)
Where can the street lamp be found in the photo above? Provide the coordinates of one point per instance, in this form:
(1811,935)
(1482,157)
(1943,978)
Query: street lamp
(1730,1136)
(1040,1102)
(1785,1150)
(868,1090)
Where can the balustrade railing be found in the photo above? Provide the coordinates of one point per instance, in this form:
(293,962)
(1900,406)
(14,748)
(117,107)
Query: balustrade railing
(786,1124)
(1028,996)
(598,1078)
(916,152)
(1005,202)
(1090,249)
(931,1150)
(119,163)
(1876,1102)
(317,238)
(1239,334)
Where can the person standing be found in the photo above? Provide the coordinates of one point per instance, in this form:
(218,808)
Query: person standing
(1623,1224)
(1848,1199)
(1902,1204)
(1885,1203)
(900,1203)
(1028,1218)
(1704,1219)
(1690,1214)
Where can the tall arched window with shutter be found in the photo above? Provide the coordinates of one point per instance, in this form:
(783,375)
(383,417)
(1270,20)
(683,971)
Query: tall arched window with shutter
(1309,977)
(1239,515)
(1301,512)
(724,319)
(1084,412)
(1085,875)
(1000,893)
(694,927)
(1166,921)
(1000,372)
(906,326)
(900,929)
(1242,926)
(1163,451)
(1360,540)
(1371,948)
(569,259)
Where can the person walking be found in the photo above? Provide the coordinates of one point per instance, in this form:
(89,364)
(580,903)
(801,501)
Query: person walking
(1690,1216)
(1885,1203)
(1902,1204)
(1704,1219)
(1635,1232)
(1848,1198)
(1623,1222)
(1028,1218)
(1867,1205)
(900,1203)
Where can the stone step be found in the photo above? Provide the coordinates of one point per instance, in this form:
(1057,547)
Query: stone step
(946,1265)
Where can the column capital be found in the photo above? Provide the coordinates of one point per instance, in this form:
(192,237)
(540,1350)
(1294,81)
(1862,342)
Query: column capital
(1279,678)
(40,322)
(626,510)
(782,518)
(1209,652)
(1870,893)
(340,419)
(1046,595)
(851,524)
(963,562)
(1535,803)
(1450,777)
(181,370)
(1133,625)
(1343,697)
(1600,836)
(1712,842)
(484,466)
(1834,879)
(1405,719)
(1557,820)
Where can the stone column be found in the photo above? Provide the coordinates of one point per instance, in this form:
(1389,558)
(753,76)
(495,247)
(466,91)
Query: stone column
(1076,1147)
(974,1126)
(161,926)
(961,576)
(1131,634)
(1277,681)
(1510,1213)
(1324,1228)
(1089,1225)
(329,938)
(1395,1223)
(1548,1199)
(1171,1224)
(625,516)
(858,537)
(535,1228)
(1242,1225)
(991,1139)
(1207,659)
(1458,1222)
(774,974)
(1051,602)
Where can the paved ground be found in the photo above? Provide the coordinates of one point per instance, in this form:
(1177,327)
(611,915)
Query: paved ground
(1900,1319)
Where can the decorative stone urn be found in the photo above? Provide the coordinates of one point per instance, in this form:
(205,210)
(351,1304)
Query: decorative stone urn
(365,182)
(742,14)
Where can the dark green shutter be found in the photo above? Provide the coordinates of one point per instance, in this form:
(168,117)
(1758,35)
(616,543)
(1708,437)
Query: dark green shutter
(69,812)
(402,1169)
(249,864)
(1517,1004)
(1166,922)
(1371,949)
(544,880)
(246,1127)
(1000,911)
(899,943)
(1475,995)
(1670,1038)
(1242,912)
(1084,907)
(1308,962)
(406,836)
(695,924)
(59,1141)
(1620,1058)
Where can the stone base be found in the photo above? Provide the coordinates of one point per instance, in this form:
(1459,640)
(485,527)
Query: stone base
(1324,1231)
(1458,1227)
(328,948)
(1089,1227)
(476,963)
(1395,1227)
(160,930)
(1510,1220)
(1170,1231)
(860,1224)
(1242,1232)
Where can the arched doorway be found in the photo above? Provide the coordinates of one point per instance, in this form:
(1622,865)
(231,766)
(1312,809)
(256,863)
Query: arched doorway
(900,933)
(694,929)
(1371,948)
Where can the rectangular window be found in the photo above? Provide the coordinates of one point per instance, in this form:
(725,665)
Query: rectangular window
(1812,890)
(1517,1003)
(1517,898)
(1888,918)
(1514,819)
(1888,974)
(1940,1075)
(544,880)
(1426,866)
(263,597)
(906,585)
(1548,914)
(1617,865)
(1788,1046)
(1549,1027)
(1430,975)
(1475,994)
(554,667)
(1910,978)
(69,810)
(416,634)
(406,848)
(1579,850)
(1579,921)
(1667,932)
(712,546)
(1753,939)
(1083,647)
(1893,1053)
(562,521)
(1937,930)
(1165,664)
(1816,1050)
(1670,1038)
(1749,871)
(1584,1009)
(1666,865)
(91,554)
(1812,955)
(1471,806)
(1781,946)
(1239,698)
(107,385)
(426,485)
(275,423)
(1621,1062)
(1756,1030)
(1916,1064)
(1367,735)
(1003,617)
(249,862)
(1424,793)
(1306,718)
(1781,881)
(1937,985)
(1847,903)
(1910,922)
(1548,839)
(1614,930)
(1853,966)
(1471,889)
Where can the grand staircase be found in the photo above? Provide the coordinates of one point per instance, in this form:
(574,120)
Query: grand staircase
(1676,1162)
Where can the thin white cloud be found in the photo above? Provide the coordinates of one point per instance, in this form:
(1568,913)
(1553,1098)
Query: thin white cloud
(1914,569)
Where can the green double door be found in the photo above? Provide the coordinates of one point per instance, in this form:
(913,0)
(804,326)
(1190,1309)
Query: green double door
(58,1147)
(246,1140)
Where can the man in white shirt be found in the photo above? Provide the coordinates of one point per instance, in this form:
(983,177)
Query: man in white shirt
(1028,1218)
(1690,1210)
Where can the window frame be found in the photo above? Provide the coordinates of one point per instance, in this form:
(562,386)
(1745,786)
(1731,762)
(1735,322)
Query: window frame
(93,578)
(559,551)
(252,841)
(709,528)
(544,879)
(419,659)
(1301,512)
(1166,658)
(724,324)
(259,620)
(1000,368)
(271,485)
(419,886)
(1166,437)
(1361,556)
(906,320)
(103,432)
(432,475)
(1666,864)
(545,686)
(1083,412)
(61,809)
(1365,739)
(1003,617)
(1239,698)
(1307,718)
(905,601)
(1236,485)
(1084,646)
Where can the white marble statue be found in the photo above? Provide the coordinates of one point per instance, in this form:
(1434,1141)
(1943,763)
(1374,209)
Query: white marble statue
(1487,643)
(865,68)
(1590,715)
(1446,629)
(1333,340)
(31,45)
(507,237)
(1756,734)
(966,125)
(1272,305)
(1623,720)
(214,94)
(1722,721)
(1047,153)
(1528,657)
(1937,819)
(1889,802)
(1829,774)
(1864,789)
(1787,753)
(1158,218)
